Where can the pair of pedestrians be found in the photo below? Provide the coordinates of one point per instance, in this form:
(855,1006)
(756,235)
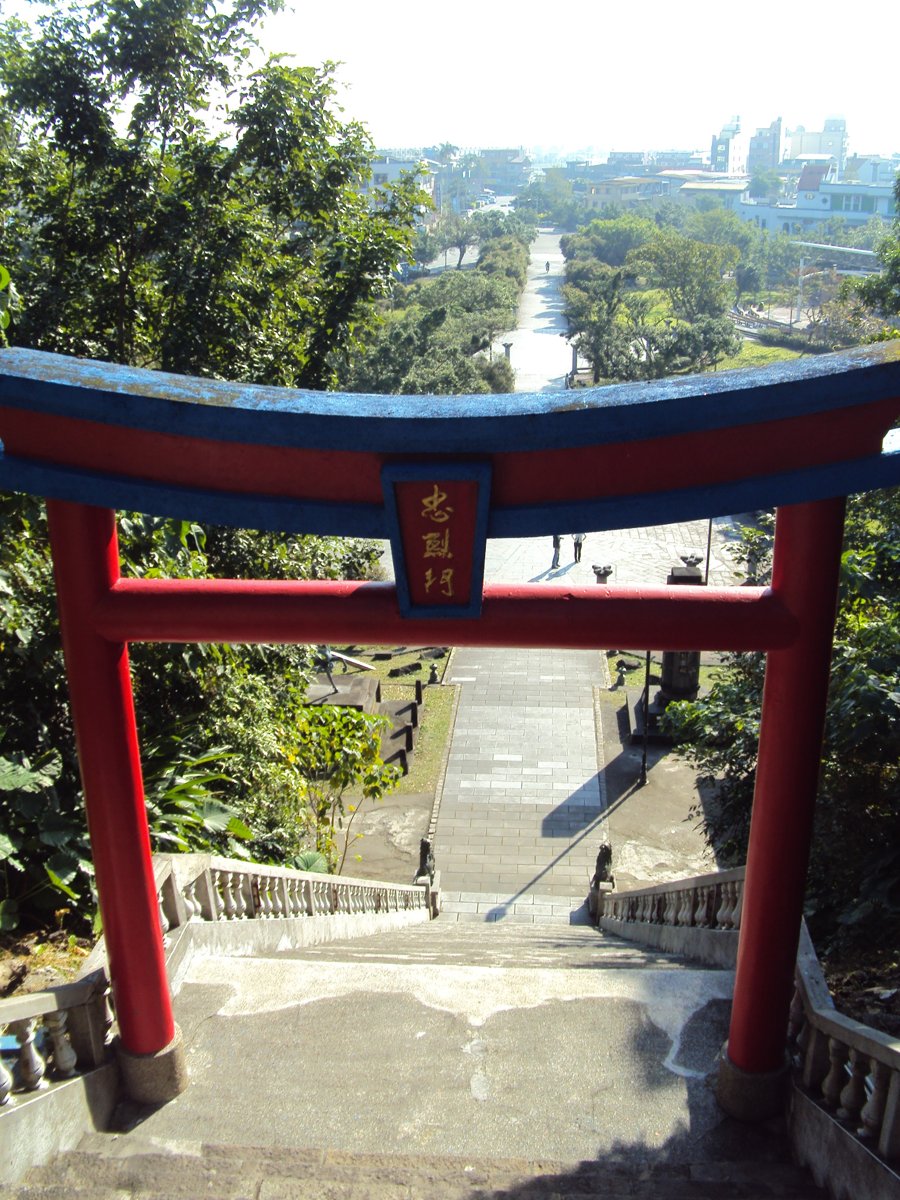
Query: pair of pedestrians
(577,538)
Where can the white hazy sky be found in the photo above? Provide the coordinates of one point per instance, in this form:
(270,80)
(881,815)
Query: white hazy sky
(635,75)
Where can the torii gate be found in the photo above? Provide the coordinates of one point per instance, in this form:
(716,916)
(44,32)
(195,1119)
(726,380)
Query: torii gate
(439,475)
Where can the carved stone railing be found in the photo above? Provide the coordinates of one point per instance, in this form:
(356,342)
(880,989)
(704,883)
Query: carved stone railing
(59,1034)
(847,1069)
(698,917)
(200,888)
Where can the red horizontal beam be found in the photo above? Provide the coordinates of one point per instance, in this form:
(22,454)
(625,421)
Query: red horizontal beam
(228,610)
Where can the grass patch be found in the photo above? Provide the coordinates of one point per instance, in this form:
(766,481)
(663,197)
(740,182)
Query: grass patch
(755,354)
(434,715)
(431,743)
(635,677)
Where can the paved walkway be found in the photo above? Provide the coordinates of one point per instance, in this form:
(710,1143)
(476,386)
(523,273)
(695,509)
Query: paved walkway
(522,797)
(540,354)
(525,801)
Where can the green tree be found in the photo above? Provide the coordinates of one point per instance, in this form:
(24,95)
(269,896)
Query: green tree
(692,274)
(552,199)
(169,206)
(765,184)
(609,241)
(594,295)
(456,233)
(882,292)
(854,880)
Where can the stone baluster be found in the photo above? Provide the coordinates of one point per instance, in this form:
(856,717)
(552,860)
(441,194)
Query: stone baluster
(853,1095)
(796,1018)
(276,896)
(686,908)
(889,1139)
(309,897)
(265,896)
(163,921)
(192,901)
(242,897)
(217,892)
(738,904)
(723,913)
(30,1067)
(229,907)
(834,1081)
(6,1080)
(295,903)
(64,1059)
(872,1114)
(699,919)
(816,1060)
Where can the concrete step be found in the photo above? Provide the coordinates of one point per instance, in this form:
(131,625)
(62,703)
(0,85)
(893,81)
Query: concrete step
(544,947)
(112,1167)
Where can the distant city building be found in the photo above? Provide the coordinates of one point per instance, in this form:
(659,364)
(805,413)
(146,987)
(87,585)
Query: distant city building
(831,140)
(626,160)
(625,191)
(386,172)
(820,196)
(672,160)
(728,152)
(766,148)
(872,168)
(728,193)
(504,170)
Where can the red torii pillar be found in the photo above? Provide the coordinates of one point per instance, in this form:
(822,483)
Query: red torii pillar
(86,566)
(754,1065)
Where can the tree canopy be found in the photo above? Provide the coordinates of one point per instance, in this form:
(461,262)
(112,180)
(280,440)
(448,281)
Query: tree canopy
(882,291)
(854,882)
(167,203)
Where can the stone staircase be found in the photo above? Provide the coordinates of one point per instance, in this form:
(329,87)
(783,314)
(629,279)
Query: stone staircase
(457,1060)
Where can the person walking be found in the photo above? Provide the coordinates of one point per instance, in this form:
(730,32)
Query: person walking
(557,546)
(547,266)
(578,539)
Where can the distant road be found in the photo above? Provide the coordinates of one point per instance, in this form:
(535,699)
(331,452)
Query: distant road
(540,355)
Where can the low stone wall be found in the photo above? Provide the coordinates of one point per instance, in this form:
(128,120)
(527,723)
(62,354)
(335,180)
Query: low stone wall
(845,1167)
(715,947)
(53,1121)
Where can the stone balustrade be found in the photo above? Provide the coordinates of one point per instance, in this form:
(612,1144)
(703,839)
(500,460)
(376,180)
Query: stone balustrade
(200,888)
(698,917)
(702,902)
(845,1067)
(55,1035)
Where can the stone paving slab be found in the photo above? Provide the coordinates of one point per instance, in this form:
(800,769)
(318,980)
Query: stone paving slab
(522,804)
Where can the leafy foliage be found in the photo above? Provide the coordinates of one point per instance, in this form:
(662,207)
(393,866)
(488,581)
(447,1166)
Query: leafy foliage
(167,205)
(214,721)
(334,749)
(854,880)
(626,334)
(882,292)
(435,334)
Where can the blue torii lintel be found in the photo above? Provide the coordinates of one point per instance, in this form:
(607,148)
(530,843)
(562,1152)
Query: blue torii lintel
(294,461)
